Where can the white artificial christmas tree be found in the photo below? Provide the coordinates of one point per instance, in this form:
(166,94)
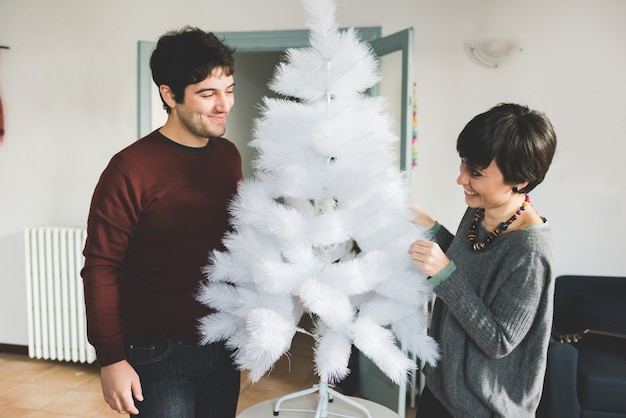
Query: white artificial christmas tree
(323,228)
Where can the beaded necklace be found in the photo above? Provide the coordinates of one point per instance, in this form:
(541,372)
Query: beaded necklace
(479,215)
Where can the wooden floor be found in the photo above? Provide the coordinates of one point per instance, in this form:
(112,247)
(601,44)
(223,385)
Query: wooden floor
(50,389)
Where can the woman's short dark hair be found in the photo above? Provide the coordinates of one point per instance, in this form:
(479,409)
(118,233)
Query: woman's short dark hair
(188,56)
(522,142)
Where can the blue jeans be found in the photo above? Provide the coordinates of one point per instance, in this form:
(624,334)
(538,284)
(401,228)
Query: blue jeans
(184,379)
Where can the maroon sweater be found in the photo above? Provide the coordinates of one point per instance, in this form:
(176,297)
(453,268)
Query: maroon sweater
(158,210)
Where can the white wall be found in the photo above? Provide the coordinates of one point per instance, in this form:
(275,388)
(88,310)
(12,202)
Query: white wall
(68,84)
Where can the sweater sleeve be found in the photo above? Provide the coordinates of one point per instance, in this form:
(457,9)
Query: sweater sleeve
(440,277)
(498,323)
(439,234)
(112,219)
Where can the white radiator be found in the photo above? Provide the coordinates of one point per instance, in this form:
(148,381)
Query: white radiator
(57,327)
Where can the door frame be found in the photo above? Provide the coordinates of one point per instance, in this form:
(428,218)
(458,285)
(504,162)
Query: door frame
(402,41)
(277,41)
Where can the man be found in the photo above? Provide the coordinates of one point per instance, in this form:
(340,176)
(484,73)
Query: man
(159,208)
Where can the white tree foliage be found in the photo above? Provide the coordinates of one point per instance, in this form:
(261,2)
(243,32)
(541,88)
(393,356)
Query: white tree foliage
(323,228)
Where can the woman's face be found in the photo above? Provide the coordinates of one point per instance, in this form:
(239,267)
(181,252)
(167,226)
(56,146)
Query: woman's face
(484,188)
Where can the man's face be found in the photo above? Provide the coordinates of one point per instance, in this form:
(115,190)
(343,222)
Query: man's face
(206,105)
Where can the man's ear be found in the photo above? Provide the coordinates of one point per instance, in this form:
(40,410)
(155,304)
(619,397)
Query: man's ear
(168,95)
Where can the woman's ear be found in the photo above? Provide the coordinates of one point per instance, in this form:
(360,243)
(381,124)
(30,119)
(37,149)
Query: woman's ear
(516,189)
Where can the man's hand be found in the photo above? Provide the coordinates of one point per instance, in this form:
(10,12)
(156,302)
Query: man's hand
(120,384)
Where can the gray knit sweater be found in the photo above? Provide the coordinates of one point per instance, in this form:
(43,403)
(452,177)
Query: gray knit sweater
(492,319)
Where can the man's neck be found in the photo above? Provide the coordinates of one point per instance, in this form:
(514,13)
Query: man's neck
(182,136)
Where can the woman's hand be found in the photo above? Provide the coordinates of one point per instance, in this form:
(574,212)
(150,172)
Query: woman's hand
(421,218)
(428,256)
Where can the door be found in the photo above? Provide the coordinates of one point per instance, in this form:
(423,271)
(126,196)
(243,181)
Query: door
(257,54)
(395,54)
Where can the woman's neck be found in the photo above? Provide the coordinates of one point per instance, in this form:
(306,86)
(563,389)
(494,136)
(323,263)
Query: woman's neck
(495,216)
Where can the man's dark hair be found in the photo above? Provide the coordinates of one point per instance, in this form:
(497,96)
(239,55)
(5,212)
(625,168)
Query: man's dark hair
(188,56)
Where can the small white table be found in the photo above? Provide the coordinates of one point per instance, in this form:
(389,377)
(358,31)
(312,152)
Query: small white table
(304,407)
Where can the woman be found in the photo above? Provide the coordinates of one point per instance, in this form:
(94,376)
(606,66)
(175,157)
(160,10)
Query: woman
(493,280)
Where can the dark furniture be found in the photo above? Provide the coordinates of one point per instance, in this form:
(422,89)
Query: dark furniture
(586,377)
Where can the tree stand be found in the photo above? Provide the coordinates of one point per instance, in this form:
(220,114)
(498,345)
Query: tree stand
(326,395)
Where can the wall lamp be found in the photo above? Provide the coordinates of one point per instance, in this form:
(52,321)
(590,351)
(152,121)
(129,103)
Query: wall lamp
(492,52)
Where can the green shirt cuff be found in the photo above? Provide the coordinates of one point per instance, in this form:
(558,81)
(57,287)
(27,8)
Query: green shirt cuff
(445,272)
(433,230)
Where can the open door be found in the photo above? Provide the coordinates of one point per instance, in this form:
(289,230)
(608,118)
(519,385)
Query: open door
(395,54)
(257,54)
